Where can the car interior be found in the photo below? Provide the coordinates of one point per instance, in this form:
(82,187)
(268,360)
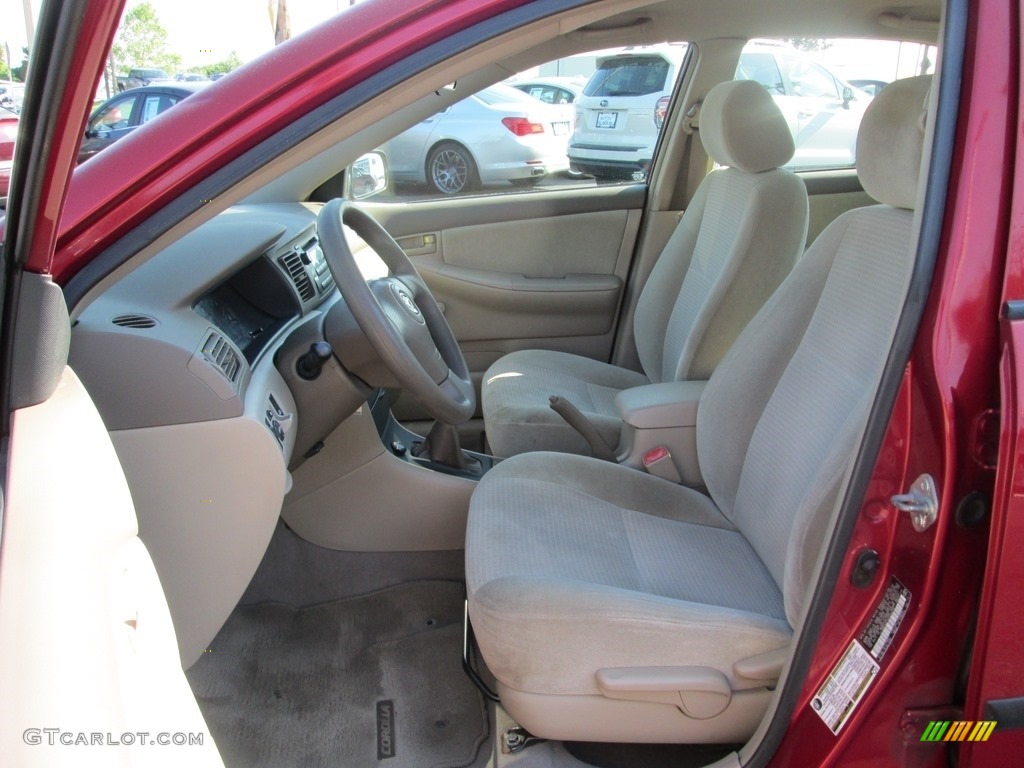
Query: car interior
(378,539)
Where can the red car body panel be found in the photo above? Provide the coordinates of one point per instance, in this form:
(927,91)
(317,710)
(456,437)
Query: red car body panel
(937,426)
(997,666)
(8,133)
(90,54)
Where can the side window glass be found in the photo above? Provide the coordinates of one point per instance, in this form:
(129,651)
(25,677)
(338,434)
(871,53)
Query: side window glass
(540,92)
(549,94)
(820,86)
(588,119)
(761,68)
(810,81)
(154,105)
(113,116)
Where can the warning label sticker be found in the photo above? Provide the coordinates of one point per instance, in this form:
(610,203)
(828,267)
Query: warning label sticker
(836,700)
(885,622)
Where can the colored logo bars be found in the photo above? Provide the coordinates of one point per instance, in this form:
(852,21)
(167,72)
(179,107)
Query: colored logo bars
(958,730)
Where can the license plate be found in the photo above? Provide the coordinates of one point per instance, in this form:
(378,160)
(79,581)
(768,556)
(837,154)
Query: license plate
(560,129)
(606,119)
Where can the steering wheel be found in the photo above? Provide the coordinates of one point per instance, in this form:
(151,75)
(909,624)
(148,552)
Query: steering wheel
(398,315)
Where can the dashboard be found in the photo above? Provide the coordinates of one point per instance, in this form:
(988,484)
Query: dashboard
(183,338)
(190,360)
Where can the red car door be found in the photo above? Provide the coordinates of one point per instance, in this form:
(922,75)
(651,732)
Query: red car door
(995,691)
(90,669)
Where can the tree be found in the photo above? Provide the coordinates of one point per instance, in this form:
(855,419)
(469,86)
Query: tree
(142,41)
(18,72)
(809,43)
(278,10)
(233,61)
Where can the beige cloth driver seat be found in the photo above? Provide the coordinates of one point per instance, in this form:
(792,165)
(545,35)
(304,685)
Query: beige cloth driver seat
(738,239)
(615,606)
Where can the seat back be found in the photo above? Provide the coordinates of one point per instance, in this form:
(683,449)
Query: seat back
(738,239)
(782,417)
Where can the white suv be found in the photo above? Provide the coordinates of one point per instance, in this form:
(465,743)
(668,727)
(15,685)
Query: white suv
(624,104)
(616,127)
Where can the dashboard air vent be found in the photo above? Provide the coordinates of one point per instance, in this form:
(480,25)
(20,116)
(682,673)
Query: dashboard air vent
(134,321)
(292,262)
(222,355)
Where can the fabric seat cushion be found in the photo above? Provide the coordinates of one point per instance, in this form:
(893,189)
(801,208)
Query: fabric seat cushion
(574,566)
(516,407)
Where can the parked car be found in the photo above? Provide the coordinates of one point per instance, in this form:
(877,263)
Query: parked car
(616,123)
(140,76)
(8,137)
(120,115)
(11,95)
(497,134)
(823,111)
(624,103)
(552,90)
(220,546)
(870,87)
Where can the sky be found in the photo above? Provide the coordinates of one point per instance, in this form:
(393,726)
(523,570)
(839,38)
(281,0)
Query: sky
(206,31)
(200,31)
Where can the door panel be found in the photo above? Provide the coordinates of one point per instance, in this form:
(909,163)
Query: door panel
(553,246)
(484,304)
(995,688)
(89,648)
(539,270)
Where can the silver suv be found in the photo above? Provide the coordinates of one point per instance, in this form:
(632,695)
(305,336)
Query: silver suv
(624,104)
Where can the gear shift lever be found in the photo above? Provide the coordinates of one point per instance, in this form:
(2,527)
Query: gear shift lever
(442,446)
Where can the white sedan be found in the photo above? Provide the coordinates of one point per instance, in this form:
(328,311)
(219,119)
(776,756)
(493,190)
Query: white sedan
(497,134)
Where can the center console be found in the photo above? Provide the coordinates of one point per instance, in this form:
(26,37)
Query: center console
(661,416)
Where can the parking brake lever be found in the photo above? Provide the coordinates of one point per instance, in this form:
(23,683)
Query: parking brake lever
(574,417)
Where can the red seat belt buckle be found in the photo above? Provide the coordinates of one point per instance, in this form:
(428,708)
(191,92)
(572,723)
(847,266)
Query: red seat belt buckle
(658,462)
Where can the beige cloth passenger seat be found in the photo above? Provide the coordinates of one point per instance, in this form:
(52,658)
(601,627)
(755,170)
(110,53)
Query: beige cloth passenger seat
(736,242)
(611,605)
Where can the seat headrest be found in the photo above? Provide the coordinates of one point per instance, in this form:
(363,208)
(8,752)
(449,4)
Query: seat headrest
(742,127)
(890,141)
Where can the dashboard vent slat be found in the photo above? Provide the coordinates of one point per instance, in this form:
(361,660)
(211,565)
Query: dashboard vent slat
(292,262)
(134,321)
(222,355)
